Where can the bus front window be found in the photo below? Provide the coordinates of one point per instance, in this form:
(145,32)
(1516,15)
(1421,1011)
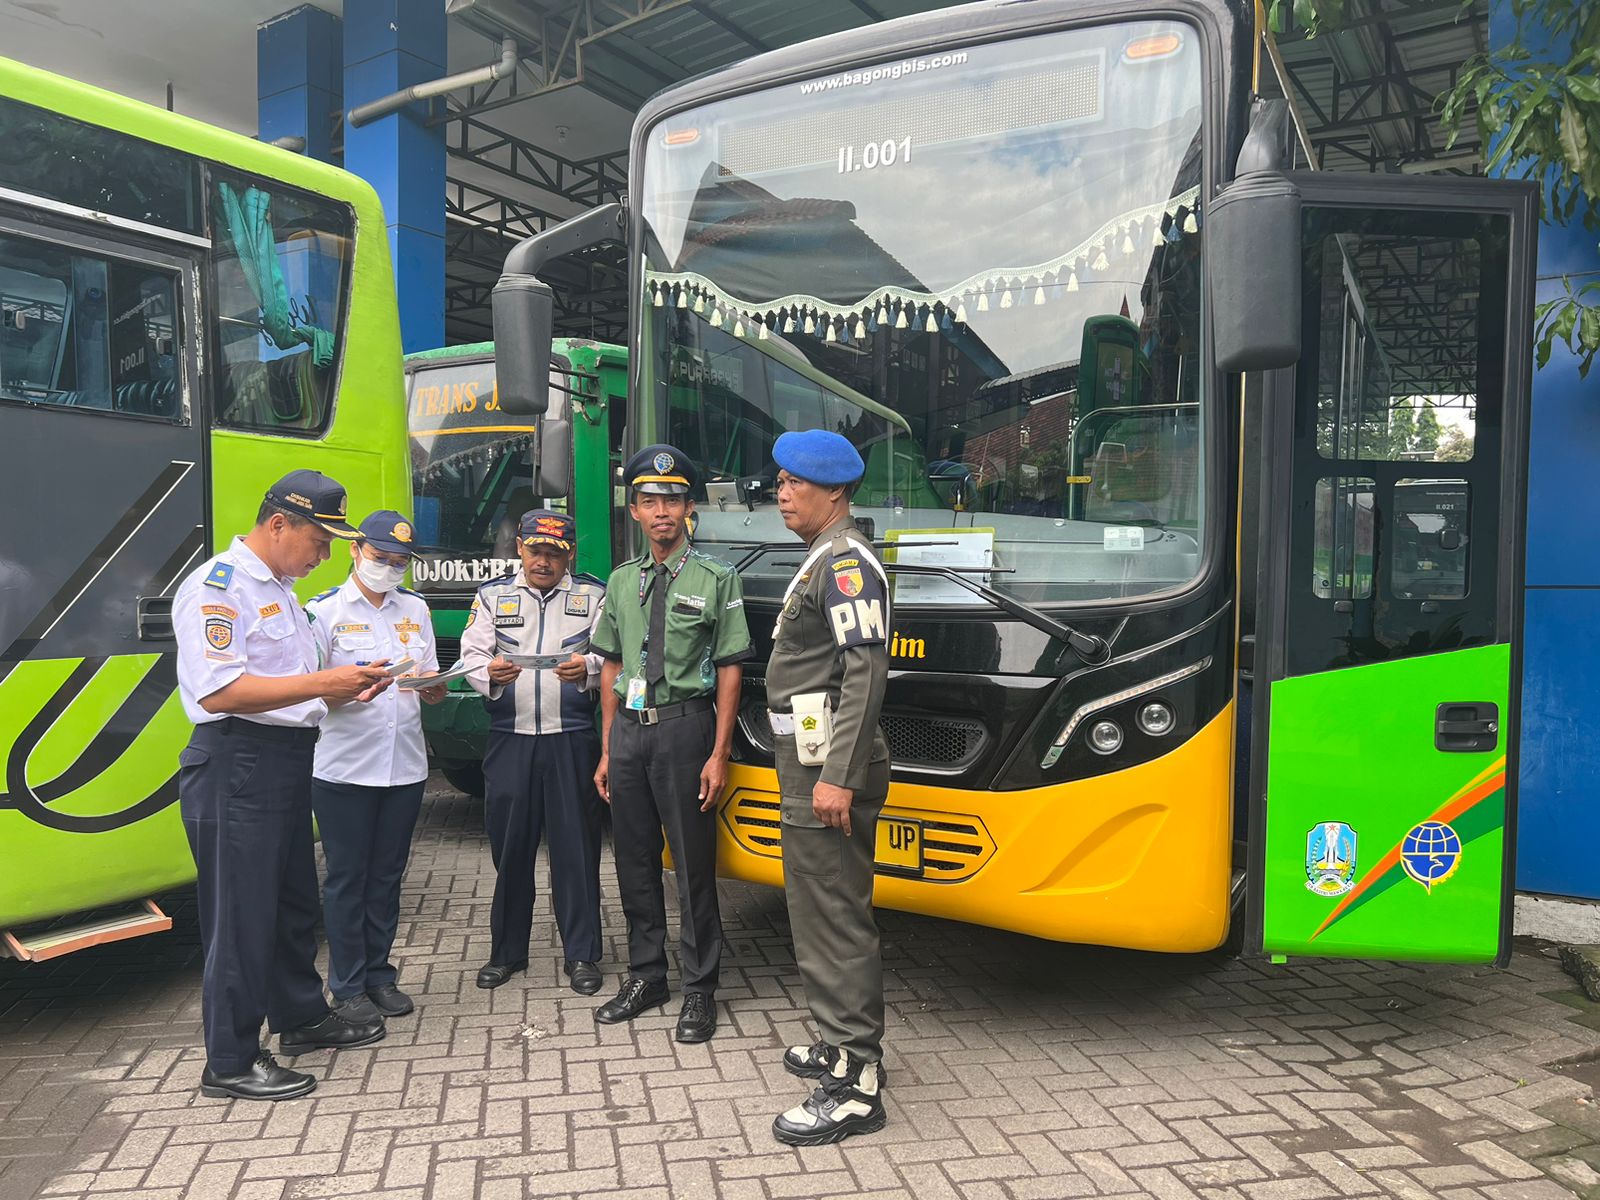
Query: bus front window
(982,267)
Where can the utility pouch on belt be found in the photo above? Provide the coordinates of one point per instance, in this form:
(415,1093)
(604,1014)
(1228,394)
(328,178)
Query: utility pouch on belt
(813,728)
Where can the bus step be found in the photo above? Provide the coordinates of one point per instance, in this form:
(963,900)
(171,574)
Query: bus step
(53,943)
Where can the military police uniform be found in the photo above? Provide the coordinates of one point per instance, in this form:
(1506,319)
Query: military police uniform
(825,685)
(371,767)
(244,790)
(539,764)
(671,626)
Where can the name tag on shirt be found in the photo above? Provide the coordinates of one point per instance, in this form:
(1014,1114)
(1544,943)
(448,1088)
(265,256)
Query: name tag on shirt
(636,693)
(691,605)
(508,621)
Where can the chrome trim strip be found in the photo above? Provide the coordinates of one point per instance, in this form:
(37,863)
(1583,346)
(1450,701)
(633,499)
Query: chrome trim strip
(60,207)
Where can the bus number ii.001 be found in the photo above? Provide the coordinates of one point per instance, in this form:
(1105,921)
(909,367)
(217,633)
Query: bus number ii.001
(874,154)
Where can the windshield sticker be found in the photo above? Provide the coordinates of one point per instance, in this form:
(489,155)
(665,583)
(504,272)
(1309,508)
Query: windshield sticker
(1123,539)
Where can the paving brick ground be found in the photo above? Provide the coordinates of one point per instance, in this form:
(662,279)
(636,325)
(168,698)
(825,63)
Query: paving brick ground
(1020,1069)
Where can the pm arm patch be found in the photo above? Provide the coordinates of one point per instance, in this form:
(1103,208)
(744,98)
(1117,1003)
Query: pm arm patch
(856,603)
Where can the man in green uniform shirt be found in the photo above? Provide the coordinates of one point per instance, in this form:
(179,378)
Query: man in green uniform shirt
(673,636)
(825,686)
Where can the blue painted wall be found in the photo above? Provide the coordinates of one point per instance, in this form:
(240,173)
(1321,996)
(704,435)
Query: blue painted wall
(1559,803)
(390,45)
(300,79)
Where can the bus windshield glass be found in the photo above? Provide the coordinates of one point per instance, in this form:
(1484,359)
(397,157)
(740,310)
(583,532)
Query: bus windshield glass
(472,475)
(982,267)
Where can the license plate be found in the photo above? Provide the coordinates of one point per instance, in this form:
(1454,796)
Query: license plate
(899,846)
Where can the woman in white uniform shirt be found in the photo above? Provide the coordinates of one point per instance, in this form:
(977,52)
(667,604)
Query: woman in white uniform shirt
(371,765)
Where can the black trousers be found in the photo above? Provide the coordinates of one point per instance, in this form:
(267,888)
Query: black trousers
(537,785)
(655,785)
(366,839)
(245,794)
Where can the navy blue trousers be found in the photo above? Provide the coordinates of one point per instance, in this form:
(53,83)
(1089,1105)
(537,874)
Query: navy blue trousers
(245,794)
(541,787)
(366,839)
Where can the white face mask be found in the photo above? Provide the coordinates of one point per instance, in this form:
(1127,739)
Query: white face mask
(380,577)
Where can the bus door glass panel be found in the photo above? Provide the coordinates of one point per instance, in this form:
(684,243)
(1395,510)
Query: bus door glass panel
(96,359)
(1375,843)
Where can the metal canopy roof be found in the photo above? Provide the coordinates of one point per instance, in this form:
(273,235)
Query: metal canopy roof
(1366,95)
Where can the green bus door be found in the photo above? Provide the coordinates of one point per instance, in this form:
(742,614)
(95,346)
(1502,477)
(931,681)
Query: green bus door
(1384,741)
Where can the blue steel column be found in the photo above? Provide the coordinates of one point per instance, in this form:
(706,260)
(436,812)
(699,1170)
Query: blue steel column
(1559,821)
(390,45)
(300,79)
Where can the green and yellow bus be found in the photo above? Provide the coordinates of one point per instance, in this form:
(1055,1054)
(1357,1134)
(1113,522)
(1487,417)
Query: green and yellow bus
(1128,387)
(185,314)
(473,476)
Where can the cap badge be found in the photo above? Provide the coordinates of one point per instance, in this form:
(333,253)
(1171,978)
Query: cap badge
(341,505)
(402,531)
(663,462)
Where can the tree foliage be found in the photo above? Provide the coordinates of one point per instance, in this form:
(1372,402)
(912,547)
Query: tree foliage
(1535,103)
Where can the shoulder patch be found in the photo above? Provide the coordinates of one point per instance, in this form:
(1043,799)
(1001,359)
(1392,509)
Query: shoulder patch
(221,575)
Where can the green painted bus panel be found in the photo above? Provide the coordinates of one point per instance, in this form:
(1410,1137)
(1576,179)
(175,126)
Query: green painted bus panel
(47,871)
(1355,748)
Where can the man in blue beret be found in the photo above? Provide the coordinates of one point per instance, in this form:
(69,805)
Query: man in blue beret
(825,685)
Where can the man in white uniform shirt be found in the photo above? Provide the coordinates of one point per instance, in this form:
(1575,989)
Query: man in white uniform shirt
(538,767)
(248,678)
(371,766)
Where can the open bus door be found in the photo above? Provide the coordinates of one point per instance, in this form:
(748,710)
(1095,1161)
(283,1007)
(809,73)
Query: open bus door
(1383,772)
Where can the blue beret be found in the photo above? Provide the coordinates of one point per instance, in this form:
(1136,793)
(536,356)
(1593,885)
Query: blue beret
(818,456)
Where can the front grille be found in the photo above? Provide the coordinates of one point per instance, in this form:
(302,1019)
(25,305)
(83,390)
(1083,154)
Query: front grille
(936,743)
(448,649)
(915,741)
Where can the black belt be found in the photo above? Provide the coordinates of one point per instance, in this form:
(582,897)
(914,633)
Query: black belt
(665,712)
(239,727)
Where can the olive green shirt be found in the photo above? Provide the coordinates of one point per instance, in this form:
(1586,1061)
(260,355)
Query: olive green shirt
(706,628)
(833,636)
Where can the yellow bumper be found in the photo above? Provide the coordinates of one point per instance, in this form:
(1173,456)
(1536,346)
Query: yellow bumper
(1140,858)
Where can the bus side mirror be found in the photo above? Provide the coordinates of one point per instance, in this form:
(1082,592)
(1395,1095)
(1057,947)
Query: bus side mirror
(552,467)
(524,316)
(1253,256)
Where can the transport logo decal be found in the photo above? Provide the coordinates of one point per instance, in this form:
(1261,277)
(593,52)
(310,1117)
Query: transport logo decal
(1430,853)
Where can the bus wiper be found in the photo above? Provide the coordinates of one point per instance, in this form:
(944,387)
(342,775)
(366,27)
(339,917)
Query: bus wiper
(1090,647)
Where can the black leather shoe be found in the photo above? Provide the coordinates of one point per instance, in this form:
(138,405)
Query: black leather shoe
(637,996)
(850,1101)
(357,1009)
(698,1020)
(492,975)
(265,1080)
(333,1032)
(585,976)
(390,1000)
(814,1061)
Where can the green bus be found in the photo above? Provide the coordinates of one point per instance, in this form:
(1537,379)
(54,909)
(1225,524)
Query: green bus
(473,476)
(185,314)
(1150,682)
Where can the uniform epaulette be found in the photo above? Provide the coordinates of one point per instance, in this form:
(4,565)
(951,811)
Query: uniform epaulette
(324,595)
(585,577)
(497,579)
(221,575)
(405,591)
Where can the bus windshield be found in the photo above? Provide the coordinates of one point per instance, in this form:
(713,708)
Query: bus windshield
(955,261)
(472,476)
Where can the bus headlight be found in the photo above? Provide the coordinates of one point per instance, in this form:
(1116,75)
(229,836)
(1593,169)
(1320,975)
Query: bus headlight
(1084,711)
(1105,737)
(1156,719)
